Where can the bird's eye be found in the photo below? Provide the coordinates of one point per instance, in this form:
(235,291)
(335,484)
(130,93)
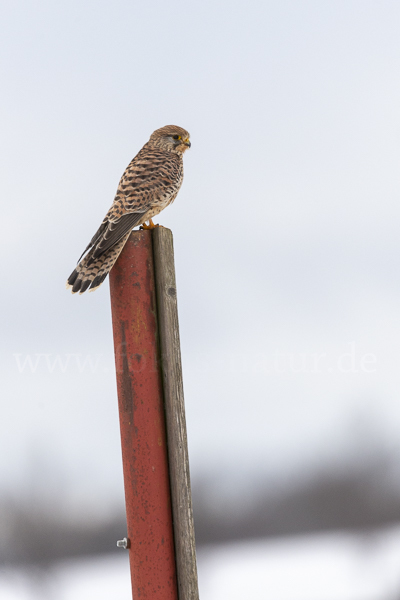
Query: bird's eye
(177,137)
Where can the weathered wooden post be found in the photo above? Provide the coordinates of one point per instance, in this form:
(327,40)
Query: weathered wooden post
(152,419)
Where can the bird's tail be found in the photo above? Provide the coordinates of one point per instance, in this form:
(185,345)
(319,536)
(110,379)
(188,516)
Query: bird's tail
(91,272)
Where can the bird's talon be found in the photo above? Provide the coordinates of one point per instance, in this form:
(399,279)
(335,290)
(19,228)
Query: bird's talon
(151,225)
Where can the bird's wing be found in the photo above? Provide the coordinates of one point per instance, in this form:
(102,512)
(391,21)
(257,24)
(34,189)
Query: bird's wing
(94,239)
(115,231)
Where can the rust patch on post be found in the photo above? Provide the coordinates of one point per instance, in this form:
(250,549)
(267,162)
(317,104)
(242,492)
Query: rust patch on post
(127,393)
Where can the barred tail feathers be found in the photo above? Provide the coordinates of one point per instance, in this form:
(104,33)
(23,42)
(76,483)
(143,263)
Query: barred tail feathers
(90,273)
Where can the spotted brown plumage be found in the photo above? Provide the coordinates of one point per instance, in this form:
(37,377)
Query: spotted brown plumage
(150,182)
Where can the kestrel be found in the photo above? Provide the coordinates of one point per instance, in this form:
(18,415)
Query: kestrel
(150,182)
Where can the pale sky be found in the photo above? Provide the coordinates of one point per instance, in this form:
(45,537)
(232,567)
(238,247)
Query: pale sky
(285,230)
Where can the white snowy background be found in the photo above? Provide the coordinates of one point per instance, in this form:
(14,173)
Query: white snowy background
(319,567)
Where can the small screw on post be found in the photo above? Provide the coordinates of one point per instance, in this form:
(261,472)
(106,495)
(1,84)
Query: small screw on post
(124,543)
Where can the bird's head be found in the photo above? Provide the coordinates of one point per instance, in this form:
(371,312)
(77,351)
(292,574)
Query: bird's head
(172,138)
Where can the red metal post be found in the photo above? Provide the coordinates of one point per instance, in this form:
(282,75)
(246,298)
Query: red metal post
(141,411)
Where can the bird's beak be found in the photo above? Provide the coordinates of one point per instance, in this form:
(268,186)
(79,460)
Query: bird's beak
(187,142)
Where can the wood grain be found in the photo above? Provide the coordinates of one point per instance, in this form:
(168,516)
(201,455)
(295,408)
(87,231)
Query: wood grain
(168,327)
